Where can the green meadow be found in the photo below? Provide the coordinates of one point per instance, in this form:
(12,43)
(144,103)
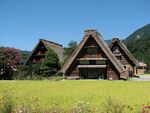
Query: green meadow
(80,96)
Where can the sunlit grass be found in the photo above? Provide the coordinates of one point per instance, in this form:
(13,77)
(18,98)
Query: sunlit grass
(147,74)
(67,93)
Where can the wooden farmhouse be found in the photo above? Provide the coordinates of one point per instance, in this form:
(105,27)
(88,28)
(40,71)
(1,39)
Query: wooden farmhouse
(39,52)
(93,59)
(128,61)
(124,56)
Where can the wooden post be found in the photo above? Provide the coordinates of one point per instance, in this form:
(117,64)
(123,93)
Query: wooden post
(135,69)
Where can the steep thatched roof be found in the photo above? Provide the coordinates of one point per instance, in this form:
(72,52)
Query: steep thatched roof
(124,48)
(98,38)
(57,48)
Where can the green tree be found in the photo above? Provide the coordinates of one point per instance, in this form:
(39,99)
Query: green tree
(51,64)
(36,68)
(29,70)
(69,50)
(71,47)
(21,72)
(25,55)
(2,62)
(139,44)
(2,57)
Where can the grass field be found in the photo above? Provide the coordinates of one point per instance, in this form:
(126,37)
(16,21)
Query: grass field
(147,74)
(73,96)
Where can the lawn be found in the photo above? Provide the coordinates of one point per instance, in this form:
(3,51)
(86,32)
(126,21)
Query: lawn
(147,74)
(73,96)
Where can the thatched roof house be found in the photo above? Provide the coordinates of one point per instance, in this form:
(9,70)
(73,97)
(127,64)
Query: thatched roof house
(92,59)
(126,58)
(120,45)
(121,52)
(39,52)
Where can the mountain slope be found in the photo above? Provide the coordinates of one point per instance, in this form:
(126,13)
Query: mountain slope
(139,44)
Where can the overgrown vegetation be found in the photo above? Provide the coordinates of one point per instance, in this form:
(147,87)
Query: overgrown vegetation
(139,44)
(74,97)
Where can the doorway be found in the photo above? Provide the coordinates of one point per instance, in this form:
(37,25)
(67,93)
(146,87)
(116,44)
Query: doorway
(93,73)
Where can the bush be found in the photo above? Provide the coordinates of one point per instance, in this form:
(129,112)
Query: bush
(51,64)
(56,78)
(58,74)
(47,73)
(20,74)
(35,77)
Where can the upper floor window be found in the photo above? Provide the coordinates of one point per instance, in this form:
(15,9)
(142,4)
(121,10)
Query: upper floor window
(84,62)
(101,62)
(116,50)
(42,47)
(92,50)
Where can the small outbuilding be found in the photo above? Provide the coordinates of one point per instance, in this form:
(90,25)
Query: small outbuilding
(141,68)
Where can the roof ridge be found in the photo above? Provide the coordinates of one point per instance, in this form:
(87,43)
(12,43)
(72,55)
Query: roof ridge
(50,42)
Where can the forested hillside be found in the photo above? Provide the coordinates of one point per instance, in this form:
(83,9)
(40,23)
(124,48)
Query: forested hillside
(139,44)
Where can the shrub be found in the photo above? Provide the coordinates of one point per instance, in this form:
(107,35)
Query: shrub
(56,78)
(36,77)
(20,74)
(51,64)
(36,68)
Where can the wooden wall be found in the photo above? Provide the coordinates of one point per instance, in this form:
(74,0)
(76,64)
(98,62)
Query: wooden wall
(111,72)
(123,58)
(39,54)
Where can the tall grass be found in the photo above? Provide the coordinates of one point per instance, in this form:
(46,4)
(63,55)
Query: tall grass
(74,96)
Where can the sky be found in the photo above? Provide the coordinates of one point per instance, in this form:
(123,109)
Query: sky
(24,22)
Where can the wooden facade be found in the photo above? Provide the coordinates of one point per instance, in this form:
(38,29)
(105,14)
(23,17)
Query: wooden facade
(141,68)
(93,59)
(124,56)
(40,50)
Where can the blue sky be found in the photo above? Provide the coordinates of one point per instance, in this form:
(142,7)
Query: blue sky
(24,22)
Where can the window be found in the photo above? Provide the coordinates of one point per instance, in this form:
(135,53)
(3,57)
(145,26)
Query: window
(125,67)
(116,50)
(101,62)
(92,50)
(84,62)
(42,47)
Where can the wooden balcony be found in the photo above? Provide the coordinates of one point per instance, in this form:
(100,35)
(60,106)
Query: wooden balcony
(92,59)
(91,66)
